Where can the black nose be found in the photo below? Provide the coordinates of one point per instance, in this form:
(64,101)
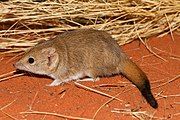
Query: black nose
(16,64)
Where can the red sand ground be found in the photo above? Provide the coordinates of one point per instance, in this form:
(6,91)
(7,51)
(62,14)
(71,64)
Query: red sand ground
(31,93)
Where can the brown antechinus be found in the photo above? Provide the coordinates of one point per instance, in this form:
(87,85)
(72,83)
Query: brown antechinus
(84,53)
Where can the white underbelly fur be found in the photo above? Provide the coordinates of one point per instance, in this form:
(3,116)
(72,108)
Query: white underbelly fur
(77,76)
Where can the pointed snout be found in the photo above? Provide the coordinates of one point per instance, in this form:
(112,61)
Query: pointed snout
(16,64)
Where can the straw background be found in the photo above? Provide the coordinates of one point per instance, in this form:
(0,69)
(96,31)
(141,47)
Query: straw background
(23,23)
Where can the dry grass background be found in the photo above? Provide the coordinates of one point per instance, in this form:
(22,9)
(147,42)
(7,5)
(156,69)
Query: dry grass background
(24,23)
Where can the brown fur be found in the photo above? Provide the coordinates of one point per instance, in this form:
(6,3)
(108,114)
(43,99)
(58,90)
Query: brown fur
(85,52)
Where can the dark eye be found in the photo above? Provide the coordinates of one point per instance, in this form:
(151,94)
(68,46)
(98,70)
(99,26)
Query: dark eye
(31,60)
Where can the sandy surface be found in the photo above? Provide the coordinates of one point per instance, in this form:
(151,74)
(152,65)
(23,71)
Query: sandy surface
(30,93)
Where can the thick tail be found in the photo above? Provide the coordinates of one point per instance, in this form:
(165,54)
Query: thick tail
(132,72)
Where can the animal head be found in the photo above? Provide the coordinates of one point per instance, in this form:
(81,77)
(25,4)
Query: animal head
(39,61)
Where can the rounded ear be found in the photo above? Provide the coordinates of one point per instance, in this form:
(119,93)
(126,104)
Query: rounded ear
(52,57)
